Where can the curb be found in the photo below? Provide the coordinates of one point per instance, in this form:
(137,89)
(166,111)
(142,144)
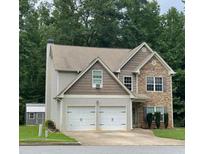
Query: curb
(48,143)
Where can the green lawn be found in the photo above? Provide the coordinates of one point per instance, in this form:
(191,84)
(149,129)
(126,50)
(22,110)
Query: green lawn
(175,133)
(30,134)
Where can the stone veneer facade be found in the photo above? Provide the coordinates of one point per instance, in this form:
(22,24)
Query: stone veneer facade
(156,98)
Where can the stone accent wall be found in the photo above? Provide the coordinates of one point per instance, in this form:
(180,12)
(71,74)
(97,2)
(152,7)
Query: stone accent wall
(156,69)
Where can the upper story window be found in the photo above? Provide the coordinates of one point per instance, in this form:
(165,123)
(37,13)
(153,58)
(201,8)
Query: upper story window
(97,78)
(158,84)
(154,84)
(127,81)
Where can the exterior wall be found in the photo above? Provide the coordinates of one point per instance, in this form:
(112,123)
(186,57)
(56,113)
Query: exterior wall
(156,98)
(84,85)
(98,101)
(135,61)
(36,120)
(55,82)
(65,78)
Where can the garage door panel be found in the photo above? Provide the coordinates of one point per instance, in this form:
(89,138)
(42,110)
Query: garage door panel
(81,118)
(112,118)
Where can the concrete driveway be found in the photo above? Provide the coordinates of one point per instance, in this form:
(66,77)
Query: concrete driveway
(134,137)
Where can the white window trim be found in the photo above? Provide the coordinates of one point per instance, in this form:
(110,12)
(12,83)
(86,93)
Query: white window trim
(154,84)
(131,81)
(30,116)
(155,110)
(94,85)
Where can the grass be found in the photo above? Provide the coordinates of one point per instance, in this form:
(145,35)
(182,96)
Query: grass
(30,134)
(175,133)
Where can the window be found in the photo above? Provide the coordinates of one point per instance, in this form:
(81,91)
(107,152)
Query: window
(127,80)
(154,84)
(97,78)
(158,84)
(150,83)
(31,115)
(161,110)
(150,110)
(39,115)
(154,109)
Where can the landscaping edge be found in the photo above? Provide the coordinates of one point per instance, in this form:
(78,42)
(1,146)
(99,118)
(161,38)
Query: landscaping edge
(47,143)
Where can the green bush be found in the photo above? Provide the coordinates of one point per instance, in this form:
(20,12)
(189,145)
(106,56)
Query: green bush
(166,120)
(50,125)
(22,110)
(157,119)
(149,119)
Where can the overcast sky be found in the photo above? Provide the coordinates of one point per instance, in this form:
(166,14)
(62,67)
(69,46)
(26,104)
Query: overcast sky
(165,5)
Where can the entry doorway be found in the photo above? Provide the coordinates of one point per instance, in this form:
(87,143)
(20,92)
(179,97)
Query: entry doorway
(134,116)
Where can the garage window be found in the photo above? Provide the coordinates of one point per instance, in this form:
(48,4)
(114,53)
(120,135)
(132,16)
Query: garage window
(97,78)
(127,81)
(31,115)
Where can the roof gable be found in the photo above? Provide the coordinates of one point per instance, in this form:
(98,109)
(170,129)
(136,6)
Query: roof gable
(61,94)
(133,53)
(154,54)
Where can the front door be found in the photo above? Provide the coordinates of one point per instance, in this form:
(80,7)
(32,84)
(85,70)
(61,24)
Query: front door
(134,116)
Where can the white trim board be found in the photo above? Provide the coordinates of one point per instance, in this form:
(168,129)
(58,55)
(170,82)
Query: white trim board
(96,96)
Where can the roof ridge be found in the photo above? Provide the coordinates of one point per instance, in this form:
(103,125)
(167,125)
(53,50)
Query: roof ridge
(90,47)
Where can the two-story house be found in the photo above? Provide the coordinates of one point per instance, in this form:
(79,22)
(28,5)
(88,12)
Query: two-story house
(90,88)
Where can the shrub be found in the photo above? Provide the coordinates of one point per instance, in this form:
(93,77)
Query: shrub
(149,119)
(157,119)
(50,125)
(22,110)
(166,120)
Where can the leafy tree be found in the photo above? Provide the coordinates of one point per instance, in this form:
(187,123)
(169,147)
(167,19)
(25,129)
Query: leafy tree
(171,47)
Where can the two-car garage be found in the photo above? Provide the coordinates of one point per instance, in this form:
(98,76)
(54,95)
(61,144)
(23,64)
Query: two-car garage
(96,118)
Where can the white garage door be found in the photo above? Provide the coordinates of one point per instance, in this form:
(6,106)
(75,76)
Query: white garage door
(112,118)
(81,118)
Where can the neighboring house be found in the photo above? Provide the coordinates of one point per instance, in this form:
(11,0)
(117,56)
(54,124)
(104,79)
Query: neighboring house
(90,88)
(35,113)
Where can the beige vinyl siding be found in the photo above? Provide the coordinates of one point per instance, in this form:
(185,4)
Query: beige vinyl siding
(131,65)
(137,59)
(84,85)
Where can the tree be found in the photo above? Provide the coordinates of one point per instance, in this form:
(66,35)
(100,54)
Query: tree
(171,47)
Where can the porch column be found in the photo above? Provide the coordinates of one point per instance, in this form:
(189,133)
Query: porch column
(131,115)
(61,115)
